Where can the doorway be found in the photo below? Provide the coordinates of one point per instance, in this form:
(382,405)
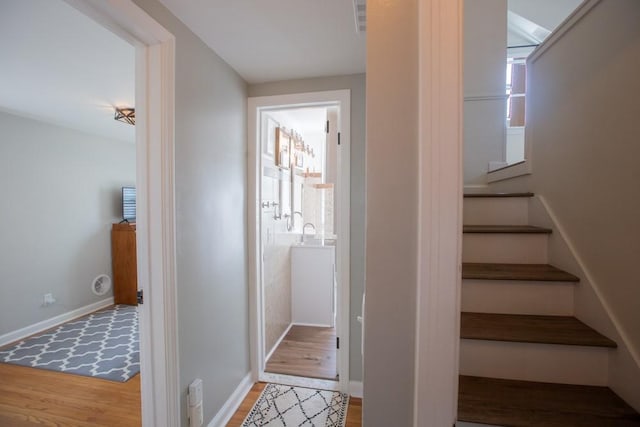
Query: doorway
(64,161)
(299,241)
(155,208)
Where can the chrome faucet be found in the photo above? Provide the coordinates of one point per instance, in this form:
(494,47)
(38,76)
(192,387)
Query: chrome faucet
(304,227)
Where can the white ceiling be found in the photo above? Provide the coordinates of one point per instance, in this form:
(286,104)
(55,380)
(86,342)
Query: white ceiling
(531,21)
(59,66)
(302,120)
(278,39)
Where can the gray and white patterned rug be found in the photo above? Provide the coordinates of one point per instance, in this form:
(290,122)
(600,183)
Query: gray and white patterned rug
(287,406)
(103,344)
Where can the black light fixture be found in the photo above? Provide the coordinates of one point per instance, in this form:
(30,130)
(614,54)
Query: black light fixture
(126,115)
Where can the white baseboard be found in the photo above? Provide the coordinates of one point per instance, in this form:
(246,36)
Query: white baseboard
(53,322)
(314,325)
(355,389)
(284,334)
(233,403)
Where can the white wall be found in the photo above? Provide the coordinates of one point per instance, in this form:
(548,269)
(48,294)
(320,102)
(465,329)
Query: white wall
(485,47)
(582,125)
(61,191)
(391,220)
(515,145)
(356,83)
(211,200)
(546,13)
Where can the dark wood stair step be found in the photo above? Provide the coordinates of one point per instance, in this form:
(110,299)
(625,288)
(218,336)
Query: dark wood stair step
(532,404)
(533,272)
(563,330)
(513,229)
(479,195)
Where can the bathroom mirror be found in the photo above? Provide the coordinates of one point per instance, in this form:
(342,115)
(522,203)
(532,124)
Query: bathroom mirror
(283,148)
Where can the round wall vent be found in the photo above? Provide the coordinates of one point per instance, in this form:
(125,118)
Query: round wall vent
(101,284)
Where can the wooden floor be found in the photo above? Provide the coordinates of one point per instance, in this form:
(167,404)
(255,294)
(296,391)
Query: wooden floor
(505,229)
(354,412)
(497,195)
(533,272)
(36,397)
(565,330)
(531,404)
(306,351)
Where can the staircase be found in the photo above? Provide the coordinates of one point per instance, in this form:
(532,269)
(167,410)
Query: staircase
(525,360)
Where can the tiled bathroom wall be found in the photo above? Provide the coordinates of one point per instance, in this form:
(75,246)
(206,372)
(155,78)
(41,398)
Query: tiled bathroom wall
(277,243)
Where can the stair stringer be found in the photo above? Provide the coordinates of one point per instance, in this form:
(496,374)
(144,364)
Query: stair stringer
(590,306)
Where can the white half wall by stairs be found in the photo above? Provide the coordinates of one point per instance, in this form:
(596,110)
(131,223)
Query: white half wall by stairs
(589,305)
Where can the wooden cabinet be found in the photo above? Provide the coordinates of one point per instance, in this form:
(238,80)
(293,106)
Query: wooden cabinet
(125,266)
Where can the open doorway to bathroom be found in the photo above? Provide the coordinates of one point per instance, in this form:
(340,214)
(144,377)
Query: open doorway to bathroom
(301,241)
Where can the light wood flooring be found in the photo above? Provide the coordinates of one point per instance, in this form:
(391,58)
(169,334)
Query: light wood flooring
(36,397)
(306,351)
(354,411)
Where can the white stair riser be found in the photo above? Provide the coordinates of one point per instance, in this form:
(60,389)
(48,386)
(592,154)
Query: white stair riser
(505,248)
(517,297)
(563,364)
(496,211)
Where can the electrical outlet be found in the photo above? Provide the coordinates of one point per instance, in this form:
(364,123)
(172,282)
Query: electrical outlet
(48,300)
(195,392)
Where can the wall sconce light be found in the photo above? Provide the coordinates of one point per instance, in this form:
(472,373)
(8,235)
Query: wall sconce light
(126,115)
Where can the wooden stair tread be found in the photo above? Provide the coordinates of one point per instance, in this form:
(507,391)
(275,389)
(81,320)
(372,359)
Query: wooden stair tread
(533,272)
(528,404)
(478,195)
(525,229)
(563,330)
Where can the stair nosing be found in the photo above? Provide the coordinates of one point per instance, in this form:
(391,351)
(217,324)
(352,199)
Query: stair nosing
(497,195)
(504,229)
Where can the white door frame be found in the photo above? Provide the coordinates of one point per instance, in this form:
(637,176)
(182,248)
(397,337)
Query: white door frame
(155,81)
(255,105)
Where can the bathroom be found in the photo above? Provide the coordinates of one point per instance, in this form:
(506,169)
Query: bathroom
(298,241)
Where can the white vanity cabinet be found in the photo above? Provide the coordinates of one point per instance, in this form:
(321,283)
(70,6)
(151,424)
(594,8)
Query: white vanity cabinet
(313,285)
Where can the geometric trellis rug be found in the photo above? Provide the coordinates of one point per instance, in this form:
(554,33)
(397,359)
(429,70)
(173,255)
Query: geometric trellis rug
(283,405)
(103,344)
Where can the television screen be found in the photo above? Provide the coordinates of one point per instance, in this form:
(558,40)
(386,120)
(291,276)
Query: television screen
(129,203)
